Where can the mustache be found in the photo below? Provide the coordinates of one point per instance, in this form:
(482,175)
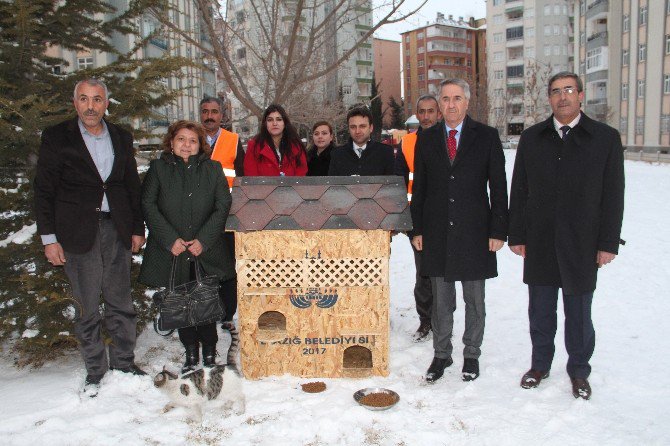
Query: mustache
(207,121)
(90,113)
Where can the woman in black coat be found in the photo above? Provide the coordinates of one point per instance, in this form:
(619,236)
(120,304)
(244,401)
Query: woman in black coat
(318,156)
(185,200)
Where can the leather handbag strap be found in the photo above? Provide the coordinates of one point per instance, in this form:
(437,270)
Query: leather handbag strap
(173,274)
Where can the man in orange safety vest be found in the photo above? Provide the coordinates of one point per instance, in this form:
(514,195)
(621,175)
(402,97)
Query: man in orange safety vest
(428,114)
(226,149)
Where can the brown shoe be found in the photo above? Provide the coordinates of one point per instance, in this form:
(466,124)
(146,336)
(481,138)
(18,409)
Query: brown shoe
(532,378)
(581,388)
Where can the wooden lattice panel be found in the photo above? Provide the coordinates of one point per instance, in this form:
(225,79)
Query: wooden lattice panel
(259,273)
(345,272)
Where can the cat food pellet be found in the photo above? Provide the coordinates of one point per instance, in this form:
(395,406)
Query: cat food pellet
(314,387)
(378,399)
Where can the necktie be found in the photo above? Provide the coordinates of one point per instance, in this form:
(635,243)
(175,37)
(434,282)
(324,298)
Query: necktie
(359,152)
(451,144)
(565,129)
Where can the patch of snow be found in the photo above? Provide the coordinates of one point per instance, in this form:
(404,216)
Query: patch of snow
(30,333)
(23,235)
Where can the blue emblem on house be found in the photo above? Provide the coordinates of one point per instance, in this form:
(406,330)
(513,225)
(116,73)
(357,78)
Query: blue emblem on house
(304,298)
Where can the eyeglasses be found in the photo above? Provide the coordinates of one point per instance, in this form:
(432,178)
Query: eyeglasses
(558,91)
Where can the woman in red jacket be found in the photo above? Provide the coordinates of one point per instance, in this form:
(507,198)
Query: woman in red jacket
(277,149)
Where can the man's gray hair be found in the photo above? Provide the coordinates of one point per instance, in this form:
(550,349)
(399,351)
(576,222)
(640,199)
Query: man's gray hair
(93,82)
(427,97)
(565,75)
(218,101)
(456,81)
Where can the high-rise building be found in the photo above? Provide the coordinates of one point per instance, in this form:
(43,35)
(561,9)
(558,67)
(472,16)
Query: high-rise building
(623,50)
(527,42)
(350,82)
(387,73)
(197,81)
(446,48)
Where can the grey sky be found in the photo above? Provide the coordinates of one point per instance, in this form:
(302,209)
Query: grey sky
(457,8)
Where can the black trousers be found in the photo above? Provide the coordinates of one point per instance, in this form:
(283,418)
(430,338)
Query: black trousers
(228,290)
(423,290)
(580,336)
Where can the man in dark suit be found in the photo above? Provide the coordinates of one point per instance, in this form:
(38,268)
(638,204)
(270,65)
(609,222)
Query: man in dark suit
(566,210)
(361,155)
(455,225)
(87,200)
(428,113)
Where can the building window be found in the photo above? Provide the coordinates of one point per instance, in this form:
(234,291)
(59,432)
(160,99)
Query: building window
(419,36)
(624,91)
(665,124)
(498,92)
(515,33)
(623,125)
(642,52)
(557,30)
(547,30)
(420,64)
(496,2)
(667,42)
(547,50)
(346,89)
(407,38)
(498,74)
(640,89)
(666,84)
(498,56)
(530,52)
(421,50)
(529,12)
(582,7)
(241,53)
(515,71)
(530,32)
(84,63)
(421,77)
(582,68)
(594,58)
(625,57)
(582,38)
(643,15)
(557,50)
(497,19)
(626,23)
(497,38)
(547,10)
(557,9)
(639,125)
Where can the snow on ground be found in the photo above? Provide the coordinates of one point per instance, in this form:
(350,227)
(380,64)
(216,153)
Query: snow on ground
(629,376)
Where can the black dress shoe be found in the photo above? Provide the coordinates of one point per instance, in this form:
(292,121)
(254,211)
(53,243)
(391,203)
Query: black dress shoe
(131,369)
(581,388)
(92,385)
(532,378)
(422,332)
(470,369)
(436,369)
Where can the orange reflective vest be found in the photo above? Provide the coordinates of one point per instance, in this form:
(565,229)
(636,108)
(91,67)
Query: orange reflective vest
(225,152)
(408,145)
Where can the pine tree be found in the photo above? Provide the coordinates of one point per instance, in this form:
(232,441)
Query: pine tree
(397,113)
(376,110)
(35,309)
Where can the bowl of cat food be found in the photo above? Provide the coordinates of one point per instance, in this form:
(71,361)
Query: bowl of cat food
(376,398)
(313,387)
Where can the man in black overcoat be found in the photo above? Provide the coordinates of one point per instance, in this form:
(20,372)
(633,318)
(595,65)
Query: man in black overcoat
(361,155)
(87,204)
(566,210)
(457,225)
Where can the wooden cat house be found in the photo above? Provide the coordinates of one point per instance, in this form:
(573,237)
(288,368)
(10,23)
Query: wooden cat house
(313,273)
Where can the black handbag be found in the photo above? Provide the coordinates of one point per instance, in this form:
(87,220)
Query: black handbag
(188,305)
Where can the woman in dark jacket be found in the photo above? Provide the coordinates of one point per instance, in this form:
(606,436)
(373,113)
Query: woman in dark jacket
(277,149)
(185,200)
(318,156)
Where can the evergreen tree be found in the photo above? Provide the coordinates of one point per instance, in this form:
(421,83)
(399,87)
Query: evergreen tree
(376,110)
(397,113)
(35,309)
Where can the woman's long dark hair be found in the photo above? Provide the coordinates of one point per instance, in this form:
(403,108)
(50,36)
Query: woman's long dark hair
(289,137)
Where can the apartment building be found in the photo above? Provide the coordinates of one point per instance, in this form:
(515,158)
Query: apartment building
(527,42)
(197,81)
(445,48)
(387,73)
(350,82)
(623,50)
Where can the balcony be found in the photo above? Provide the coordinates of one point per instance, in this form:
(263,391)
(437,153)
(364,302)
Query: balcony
(596,101)
(596,40)
(159,42)
(597,7)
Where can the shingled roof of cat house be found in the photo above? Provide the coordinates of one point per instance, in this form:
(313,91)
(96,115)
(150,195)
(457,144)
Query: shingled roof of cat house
(316,203)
